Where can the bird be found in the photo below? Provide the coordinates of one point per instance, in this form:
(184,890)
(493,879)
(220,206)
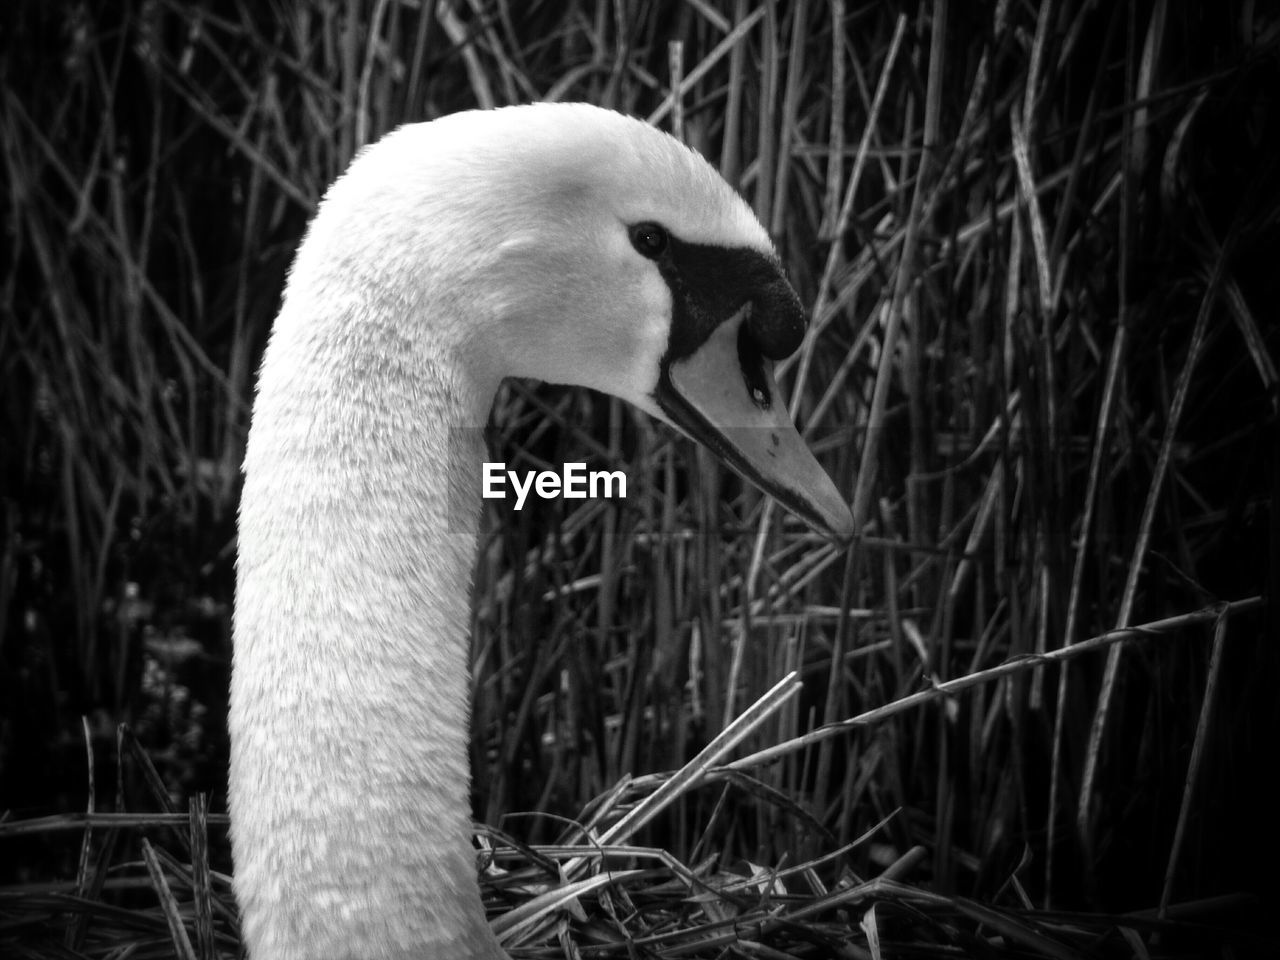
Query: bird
(563,242)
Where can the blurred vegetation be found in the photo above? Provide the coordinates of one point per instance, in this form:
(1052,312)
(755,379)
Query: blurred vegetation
(1039,239)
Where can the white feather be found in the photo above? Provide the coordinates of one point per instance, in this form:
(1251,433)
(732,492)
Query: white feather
(450,255)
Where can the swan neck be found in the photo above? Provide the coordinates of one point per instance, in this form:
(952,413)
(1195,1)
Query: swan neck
(349,787)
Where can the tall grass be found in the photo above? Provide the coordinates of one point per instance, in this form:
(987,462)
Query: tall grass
(1037,242)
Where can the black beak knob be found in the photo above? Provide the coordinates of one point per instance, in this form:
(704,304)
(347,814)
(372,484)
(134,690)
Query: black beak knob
(776,321)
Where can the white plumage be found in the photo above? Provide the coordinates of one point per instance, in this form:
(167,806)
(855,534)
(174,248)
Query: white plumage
(450,255)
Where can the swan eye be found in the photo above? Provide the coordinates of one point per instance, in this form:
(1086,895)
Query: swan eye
(649,239)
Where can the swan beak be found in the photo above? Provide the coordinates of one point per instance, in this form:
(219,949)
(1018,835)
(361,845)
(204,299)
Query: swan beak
(724,396)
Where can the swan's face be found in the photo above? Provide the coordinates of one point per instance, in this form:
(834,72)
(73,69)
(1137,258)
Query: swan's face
(609,255)
(630,266)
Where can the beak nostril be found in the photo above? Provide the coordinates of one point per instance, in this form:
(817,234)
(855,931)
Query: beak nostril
(751,360)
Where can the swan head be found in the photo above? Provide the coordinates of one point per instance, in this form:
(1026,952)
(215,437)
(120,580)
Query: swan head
(561,242)
(585,247)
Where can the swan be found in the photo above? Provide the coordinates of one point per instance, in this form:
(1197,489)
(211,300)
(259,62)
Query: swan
(563,242)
